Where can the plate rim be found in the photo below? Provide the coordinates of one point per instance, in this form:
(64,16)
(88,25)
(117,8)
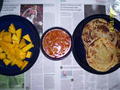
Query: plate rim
(29,66)
(46,55)
(78,60)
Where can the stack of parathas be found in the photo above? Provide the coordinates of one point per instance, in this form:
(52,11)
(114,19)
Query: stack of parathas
(102,46)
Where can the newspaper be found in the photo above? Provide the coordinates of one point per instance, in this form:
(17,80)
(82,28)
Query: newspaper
(65,74)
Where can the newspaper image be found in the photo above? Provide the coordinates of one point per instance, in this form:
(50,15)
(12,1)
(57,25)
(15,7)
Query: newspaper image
(34,13)
(65,74)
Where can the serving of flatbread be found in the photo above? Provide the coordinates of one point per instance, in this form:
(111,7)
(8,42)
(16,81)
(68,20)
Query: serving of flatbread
(102,46)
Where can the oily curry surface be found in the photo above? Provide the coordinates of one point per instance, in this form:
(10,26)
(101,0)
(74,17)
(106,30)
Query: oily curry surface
(56,43)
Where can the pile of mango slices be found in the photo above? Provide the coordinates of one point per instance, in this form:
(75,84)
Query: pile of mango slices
(15,48)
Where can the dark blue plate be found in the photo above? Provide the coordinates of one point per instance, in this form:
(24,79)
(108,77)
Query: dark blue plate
(27,28)
(78,46)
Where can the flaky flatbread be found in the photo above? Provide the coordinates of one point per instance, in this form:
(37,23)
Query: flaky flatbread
(118,46)
(95,29)
(102,55)
(102,46)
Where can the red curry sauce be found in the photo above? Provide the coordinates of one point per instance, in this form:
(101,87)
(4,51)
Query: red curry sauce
(56,43)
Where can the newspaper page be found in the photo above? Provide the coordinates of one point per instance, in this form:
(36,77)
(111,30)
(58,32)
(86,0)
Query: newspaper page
(66,74)
(74,77)
(41,13)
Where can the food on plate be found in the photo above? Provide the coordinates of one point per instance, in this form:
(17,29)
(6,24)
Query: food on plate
(118,46)
(102,55)
(98,28)
(27,37)
(29,54)
(56,43)
(14,47)
(102,46)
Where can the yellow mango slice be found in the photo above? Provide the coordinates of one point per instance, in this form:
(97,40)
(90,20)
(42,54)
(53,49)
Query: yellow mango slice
(5,46)
(1,34)
(2,55)
(29,54)
(6,37)
(13,47)
(19,34)
(14,62)
(10,52)
(7,61)
(15,39)
(19,63)
(1,50)
(27,47)
(22,55)
(25,63)
(27,37)
(22,43)
(12,28)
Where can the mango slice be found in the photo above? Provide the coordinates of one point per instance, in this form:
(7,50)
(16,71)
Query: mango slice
(15,48)
(28,47)
(27,37)
(1,34)
(7,61)
(25,63)
(29,54)
(2,55)
(19,34)
(7,37)
(12,28)
(1,50)
(22,43)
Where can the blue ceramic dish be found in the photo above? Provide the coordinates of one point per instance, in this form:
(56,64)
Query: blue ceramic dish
(27,28)
(79,51)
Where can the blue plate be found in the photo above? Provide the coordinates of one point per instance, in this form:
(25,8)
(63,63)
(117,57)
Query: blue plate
(79,51)
(27,28)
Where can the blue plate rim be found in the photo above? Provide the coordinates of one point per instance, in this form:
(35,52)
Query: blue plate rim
(80,26)
(51,58)
(38,46)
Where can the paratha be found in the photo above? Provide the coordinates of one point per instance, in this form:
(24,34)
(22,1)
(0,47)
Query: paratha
(102,55)
(102,46)
(118,46)
(95,29)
